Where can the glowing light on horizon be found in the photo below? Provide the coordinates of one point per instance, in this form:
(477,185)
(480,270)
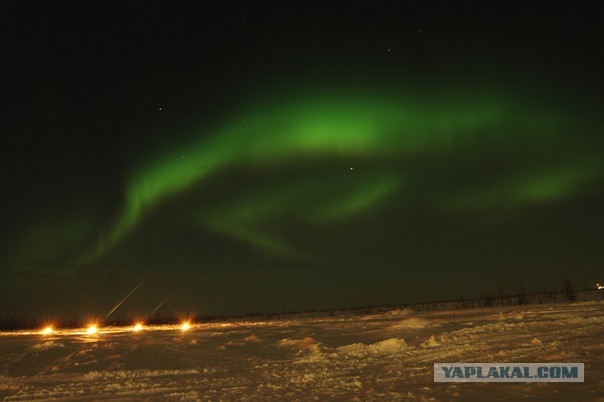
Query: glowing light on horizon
(92,329)
(600,287)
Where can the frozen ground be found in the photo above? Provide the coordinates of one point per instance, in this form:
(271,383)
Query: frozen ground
(387,356)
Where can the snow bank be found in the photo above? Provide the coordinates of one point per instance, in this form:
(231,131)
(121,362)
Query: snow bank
(431,342)
(47,345)
(307,343)
(385,347)
(253,338)
(413,323)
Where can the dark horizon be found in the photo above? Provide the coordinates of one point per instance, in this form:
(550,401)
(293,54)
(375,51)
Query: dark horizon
(290,156)
(567,293)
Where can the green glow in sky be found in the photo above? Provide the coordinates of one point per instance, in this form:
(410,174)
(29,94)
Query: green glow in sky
(379,133)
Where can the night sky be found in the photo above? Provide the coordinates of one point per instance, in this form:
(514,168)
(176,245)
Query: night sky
(293,155)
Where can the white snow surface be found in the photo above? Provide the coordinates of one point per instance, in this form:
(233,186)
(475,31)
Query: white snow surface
(386,356)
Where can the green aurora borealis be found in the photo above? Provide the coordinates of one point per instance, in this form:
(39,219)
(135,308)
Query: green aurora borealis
(379,133)
(303,156)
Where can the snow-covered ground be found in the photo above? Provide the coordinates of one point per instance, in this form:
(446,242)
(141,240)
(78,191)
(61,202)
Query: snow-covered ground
(386,356)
